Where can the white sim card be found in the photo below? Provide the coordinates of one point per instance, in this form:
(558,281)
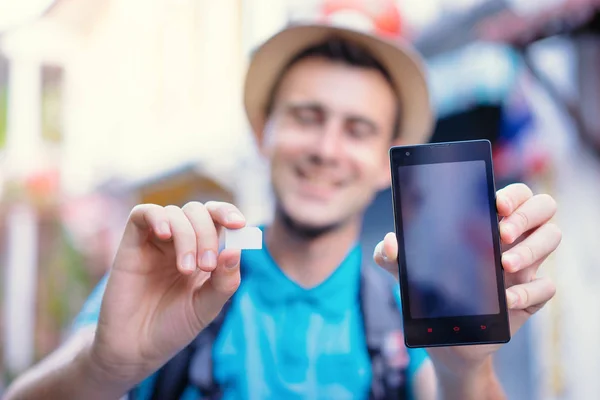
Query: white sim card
(247,238)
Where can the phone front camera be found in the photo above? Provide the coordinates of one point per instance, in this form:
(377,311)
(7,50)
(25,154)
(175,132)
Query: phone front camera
(407,153)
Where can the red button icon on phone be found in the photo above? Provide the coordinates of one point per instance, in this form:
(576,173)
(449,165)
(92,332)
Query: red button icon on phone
(483,327)
(456,329)
(429,330)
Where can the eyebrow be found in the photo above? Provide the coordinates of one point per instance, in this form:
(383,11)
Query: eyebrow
(294,105)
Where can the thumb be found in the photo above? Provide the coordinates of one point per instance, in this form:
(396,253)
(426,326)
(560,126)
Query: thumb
(219,288)
(386,252)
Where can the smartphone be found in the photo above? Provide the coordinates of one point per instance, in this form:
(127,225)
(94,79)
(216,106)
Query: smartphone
(449,257)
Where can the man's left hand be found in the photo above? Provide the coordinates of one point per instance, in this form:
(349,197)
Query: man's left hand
(528,238)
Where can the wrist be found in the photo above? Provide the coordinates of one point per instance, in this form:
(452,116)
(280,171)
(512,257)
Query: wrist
(472,381)
(104,382)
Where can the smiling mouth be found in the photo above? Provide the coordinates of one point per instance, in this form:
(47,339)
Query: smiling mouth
(318,180)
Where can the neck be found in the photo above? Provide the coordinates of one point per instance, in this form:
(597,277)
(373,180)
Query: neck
(310,261)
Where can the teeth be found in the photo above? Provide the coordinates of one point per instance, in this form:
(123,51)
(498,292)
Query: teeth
(316,181)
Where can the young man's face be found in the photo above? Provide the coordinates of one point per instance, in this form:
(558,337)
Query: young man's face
(327,139)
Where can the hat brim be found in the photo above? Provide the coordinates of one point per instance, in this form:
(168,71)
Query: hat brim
(402,63)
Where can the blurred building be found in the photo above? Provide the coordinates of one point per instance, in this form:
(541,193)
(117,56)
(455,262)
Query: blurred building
(111,104)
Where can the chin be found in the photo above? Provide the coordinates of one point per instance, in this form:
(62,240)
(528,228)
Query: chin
(311,214)
(307,225)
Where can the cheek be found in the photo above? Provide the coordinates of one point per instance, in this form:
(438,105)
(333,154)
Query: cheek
(371,167)
(282,155)
(281,144)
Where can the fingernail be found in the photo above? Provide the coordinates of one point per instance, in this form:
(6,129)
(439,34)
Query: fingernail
(209,259)
(511,299)
(188,263)
(231,263)
(163,228)
(513,260)
(234,217)
(377,250)
(384,256)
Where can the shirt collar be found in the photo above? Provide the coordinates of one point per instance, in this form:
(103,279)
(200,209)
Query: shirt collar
(333,297)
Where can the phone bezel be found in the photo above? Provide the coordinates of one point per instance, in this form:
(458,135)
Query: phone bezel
(433,332)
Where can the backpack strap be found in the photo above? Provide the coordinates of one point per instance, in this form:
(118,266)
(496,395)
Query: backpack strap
(384,334)
(171,379)
(200,369)
(192,365)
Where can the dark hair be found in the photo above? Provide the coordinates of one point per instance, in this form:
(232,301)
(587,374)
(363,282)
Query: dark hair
(345,52)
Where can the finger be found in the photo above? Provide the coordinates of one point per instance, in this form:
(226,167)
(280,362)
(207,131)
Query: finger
(531,214)
(223,282)
(207,240)
(390,247)
(525,275)
(146,219)
(226,214)
(386,253)
(184,239)
(532,250)
(511,197)
(530,296)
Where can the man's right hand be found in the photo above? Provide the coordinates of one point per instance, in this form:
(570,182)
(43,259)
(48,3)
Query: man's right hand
(167,283)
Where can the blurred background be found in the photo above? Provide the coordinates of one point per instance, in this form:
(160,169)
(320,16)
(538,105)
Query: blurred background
(106,104)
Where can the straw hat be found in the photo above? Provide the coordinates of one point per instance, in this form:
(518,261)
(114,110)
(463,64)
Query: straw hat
(397,57)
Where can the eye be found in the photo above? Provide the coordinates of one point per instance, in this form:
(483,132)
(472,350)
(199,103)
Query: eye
(307,116)
(360,129)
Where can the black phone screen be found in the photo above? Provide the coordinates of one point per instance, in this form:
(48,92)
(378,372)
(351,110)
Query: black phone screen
(447,229)
(448,239)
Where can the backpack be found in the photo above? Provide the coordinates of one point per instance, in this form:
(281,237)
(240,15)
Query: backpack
(383,332)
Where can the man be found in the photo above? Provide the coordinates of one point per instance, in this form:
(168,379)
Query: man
(325,104)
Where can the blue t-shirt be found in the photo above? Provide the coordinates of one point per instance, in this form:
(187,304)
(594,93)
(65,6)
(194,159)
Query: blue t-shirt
(281,341)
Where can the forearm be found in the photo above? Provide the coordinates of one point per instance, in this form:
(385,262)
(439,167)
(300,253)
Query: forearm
(478,384)
(69,373)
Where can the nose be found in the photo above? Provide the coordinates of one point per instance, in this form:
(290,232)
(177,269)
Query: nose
(328,145)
